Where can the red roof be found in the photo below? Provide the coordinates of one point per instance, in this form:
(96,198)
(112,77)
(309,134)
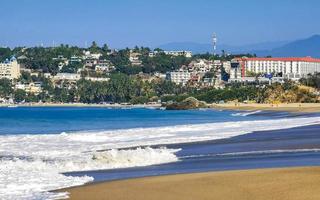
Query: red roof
(289,59)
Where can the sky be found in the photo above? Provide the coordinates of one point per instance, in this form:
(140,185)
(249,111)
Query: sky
(126,23)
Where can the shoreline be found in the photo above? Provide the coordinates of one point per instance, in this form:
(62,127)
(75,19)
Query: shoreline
(291,107)
(80,105)
(262,184)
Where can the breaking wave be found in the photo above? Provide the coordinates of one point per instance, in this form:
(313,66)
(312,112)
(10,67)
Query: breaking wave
(32,178)
(244,114)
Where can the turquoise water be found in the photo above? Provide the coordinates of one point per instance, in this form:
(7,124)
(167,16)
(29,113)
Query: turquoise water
(40,120)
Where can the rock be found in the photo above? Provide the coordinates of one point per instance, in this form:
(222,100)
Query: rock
(188,103)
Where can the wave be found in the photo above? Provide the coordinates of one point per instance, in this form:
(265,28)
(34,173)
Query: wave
(30,165)
(251,153)
(244,114)
(31,179)
(277,151)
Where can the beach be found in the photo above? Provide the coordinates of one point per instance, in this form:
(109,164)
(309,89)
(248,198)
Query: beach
(288,107)
(261,184)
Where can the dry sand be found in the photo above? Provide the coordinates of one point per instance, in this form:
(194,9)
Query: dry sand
(291,107)
(261,184)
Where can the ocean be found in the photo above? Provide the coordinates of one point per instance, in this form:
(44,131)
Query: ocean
(48,148)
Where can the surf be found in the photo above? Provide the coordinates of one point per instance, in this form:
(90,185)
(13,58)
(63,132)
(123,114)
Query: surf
(32,165)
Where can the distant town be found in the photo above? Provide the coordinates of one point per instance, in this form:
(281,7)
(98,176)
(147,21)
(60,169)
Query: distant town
(98,74)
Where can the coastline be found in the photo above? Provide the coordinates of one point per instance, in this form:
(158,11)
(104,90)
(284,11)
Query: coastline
(116,105)
(257,184)
(287,107)
(291,107)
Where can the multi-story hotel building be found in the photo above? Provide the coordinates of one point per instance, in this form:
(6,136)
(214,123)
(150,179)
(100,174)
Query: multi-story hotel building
(291,68)
(179,77)
(10,69)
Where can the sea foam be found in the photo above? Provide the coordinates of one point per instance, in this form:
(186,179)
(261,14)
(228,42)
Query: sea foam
(32,165)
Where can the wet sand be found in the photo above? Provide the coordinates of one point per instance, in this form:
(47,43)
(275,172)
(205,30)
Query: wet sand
(261,184)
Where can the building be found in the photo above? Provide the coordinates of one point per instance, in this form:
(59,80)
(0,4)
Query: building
(235,69)
(187,54)
(62,61)
(90,63)
(200,66)
(226,66)
(97,79)
(35,87)
(75,59)
(67,77)
(135,58)
(10,69)
(104,66)
(179,77)
(291,68)
(89,55)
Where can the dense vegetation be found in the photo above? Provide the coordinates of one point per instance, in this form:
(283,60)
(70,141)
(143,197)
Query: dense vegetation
(124,88)
(313,80)
(120,88)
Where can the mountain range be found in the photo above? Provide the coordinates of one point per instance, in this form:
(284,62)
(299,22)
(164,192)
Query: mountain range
(298,48)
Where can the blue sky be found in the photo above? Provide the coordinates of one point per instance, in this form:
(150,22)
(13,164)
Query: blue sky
(122,23)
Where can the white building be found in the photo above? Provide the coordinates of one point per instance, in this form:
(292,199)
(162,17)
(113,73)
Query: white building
(89,55)
(67,76)
(35,87)
(179,77)
(200,65)
(75,59)
(97,79)
(187,54)
(227,66)
(10,69)
(291,68)
(104,66)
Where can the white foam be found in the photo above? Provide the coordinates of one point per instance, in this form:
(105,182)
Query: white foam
(275,151)
(248,153)
(244,114)
(31,178)
(32,164)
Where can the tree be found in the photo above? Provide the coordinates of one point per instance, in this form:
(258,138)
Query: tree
(5,53)
(94,48)
(5,88)
(20,95)
(72,67)
(25,77)
(105,48)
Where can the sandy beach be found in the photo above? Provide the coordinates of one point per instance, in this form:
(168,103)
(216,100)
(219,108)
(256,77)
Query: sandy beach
(291,107)
(262,184)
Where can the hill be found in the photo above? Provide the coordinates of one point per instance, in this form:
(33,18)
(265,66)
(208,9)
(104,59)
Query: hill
(203,48)
(299,48)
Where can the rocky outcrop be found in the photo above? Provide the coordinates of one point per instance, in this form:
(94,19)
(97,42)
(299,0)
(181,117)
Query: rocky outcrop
(188,103)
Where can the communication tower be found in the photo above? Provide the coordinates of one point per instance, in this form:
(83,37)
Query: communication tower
(214,42)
